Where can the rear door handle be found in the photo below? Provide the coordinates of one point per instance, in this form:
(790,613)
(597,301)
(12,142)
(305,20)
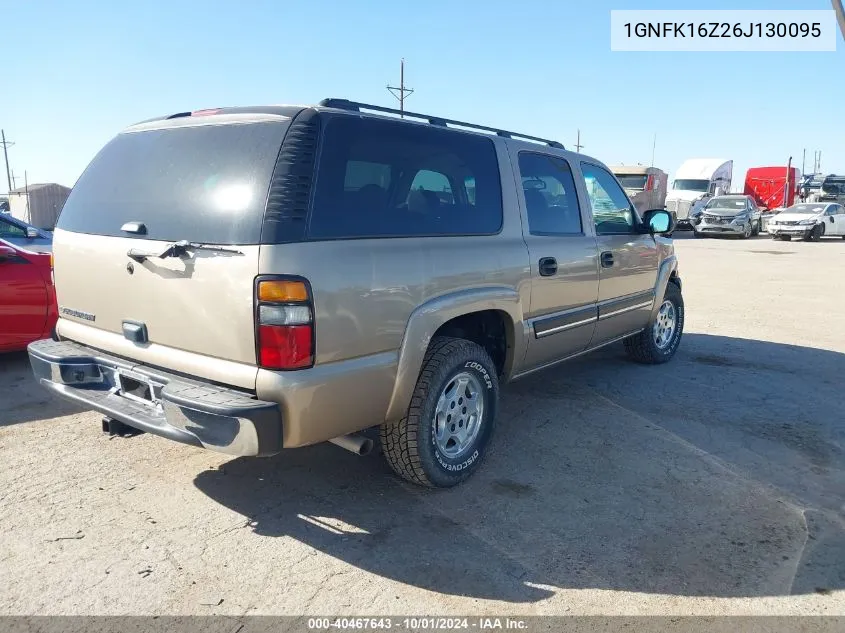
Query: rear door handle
(548,266)
(606,259)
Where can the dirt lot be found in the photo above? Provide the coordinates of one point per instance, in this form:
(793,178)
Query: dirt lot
(714,484)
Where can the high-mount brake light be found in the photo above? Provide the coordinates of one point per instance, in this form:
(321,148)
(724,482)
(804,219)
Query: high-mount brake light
(284,324)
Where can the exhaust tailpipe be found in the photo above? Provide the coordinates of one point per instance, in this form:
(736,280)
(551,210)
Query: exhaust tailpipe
(354,443)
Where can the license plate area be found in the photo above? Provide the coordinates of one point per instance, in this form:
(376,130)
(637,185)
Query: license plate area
(138,388)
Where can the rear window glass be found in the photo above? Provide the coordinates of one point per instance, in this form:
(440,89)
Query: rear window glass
(205,183)
(391,179)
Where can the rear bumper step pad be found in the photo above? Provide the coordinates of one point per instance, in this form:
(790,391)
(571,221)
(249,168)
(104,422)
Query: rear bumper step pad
(184,410)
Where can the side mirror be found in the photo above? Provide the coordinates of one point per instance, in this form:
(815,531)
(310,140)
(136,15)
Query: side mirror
(7,252)
(658,221)
(32,233)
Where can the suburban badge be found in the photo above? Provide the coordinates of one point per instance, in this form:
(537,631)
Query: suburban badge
(86,316)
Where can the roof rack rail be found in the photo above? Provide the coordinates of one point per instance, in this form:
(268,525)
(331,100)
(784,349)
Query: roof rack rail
(346,104)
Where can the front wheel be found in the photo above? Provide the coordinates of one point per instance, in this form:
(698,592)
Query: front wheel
(659,341)
(442,439)
(816,233)
(748,232)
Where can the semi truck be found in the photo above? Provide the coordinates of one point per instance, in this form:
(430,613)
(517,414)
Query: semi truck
(696,181)
(772,187)
(645,186)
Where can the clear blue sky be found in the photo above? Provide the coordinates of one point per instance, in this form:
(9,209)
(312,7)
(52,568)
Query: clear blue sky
(77,72)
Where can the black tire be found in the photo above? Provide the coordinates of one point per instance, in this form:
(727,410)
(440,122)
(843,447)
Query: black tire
(758,228)
(786,238)
(643,348)
(816,233)
(843,237)
(410,445)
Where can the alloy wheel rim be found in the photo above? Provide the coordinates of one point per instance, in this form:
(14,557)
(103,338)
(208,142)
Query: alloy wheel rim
(458,415)
(665,325)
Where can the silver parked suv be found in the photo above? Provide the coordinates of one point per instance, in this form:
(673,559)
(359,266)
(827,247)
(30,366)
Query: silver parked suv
(252,279)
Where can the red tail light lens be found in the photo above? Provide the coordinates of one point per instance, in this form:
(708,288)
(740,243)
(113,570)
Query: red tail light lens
(285,324)
(285,346)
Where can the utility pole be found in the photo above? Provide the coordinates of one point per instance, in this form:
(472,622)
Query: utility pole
(26,189)
(6,144)
(840,15)
(578,145)
(653,145)
(804,161)
(401,91)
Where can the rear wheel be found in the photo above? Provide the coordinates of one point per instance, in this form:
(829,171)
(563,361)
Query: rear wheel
(786,238)
(659,341)
(442,439)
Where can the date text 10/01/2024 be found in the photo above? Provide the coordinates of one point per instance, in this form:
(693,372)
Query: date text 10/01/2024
(722,29)
(418,623)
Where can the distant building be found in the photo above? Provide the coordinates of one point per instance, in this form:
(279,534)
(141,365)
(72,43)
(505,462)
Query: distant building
(38,204)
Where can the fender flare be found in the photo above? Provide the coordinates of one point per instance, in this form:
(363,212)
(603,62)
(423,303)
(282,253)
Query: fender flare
(427,318)
(667,267)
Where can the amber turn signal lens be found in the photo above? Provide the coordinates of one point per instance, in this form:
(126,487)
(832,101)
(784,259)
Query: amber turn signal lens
(279,291)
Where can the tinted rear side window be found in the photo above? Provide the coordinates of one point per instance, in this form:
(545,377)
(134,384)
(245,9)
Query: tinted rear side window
(204,183)
(391,179)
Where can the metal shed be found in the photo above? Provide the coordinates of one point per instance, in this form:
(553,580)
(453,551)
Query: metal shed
(38,204)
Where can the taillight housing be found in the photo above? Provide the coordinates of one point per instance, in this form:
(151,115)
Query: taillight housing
(284,323)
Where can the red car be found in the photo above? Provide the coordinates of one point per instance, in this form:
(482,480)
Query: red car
(28,309)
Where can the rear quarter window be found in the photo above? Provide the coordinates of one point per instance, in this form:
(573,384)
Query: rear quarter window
(391,179)
(204,183)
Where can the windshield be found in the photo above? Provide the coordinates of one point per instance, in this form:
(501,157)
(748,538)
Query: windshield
(805,208)
(633,181)
(733,204)
(692,185)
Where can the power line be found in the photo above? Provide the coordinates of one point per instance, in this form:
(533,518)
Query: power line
(6,144)
(400,91)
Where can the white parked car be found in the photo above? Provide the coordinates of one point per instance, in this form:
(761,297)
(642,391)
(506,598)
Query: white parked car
(808,220)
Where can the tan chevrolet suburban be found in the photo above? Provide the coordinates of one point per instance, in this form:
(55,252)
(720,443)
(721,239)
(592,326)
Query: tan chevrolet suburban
(253,279)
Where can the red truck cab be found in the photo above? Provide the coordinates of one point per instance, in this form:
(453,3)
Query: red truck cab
(772,187)
(28,309)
